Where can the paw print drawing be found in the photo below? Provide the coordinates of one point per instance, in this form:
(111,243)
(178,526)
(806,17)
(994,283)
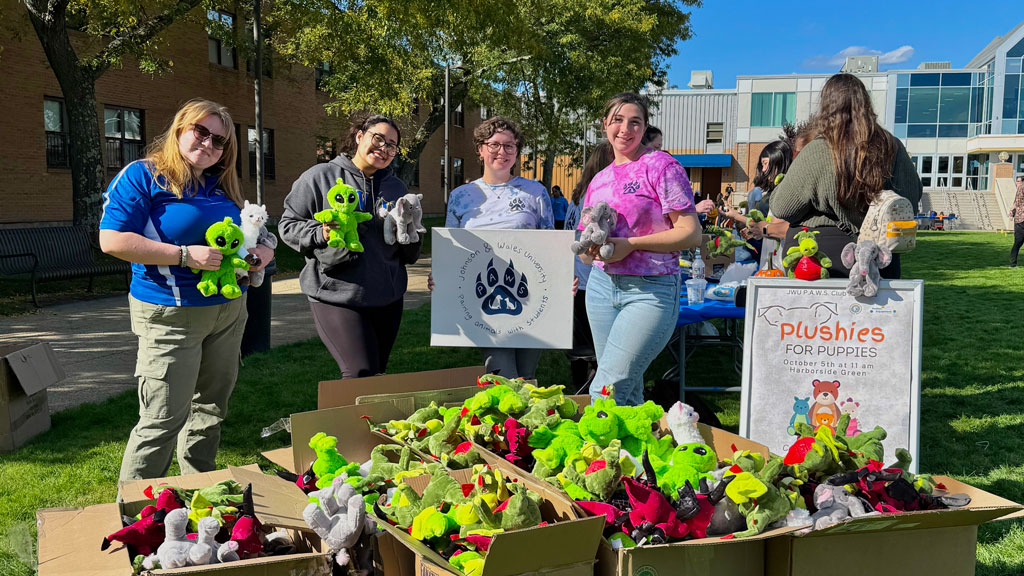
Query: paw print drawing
(631,187)
(516,205)
(505,297)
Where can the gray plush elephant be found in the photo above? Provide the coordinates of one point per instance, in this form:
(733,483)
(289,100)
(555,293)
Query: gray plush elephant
(404,222)
(835,504)
(599,221)
(864,261)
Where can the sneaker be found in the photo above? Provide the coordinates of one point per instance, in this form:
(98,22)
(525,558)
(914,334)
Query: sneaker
(1013,265)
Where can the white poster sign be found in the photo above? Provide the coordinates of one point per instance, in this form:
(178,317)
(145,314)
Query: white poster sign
(502,288)
(811,353)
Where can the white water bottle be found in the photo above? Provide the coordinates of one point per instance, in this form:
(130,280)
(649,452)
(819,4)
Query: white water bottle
(697,268)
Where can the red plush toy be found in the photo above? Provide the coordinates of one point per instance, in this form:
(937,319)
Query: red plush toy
(147,533)
(247,529)
(517,435)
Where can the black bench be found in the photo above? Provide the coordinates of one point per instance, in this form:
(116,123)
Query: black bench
(54,253)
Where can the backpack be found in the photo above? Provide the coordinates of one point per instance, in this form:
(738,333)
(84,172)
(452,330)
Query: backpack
(890,223)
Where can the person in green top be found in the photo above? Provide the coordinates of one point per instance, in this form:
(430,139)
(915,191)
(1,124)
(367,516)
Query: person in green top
(836,176)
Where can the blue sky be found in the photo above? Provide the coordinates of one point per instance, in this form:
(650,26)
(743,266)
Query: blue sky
(744,37)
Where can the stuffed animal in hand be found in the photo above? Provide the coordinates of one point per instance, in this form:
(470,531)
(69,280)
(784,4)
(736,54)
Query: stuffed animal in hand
(338,518)
(803,261)
(226,237)
(598,223)
(722,242)
(344,200)
(864,260)
(404,222)
(254,229)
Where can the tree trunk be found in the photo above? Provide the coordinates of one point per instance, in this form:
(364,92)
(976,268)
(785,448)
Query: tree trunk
(548,171)
(435,119)
(78,85)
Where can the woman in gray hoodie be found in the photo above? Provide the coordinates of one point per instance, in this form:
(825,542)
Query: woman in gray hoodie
(356,297)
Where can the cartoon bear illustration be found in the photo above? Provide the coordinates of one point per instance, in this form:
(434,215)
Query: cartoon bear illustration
(850,407)
(825,394)
(801,406)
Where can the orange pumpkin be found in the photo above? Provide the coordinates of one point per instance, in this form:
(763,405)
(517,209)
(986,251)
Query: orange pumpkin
(770,271)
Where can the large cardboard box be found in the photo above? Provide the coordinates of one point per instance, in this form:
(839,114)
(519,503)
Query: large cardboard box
(69,538)
(935,542)
(332,393)
(26,371)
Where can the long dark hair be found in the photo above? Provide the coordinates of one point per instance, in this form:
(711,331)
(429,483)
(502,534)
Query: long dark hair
(363,122)
(779,155)
(862,151)
(600,158)
(623,98)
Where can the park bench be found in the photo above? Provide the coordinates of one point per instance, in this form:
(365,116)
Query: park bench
(54,253)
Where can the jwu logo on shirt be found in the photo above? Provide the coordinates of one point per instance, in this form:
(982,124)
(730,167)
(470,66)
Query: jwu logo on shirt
(503,297)
(516,205)
(631,187)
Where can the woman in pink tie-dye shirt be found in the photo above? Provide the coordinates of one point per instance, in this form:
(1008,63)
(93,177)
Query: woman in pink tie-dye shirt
(633,296)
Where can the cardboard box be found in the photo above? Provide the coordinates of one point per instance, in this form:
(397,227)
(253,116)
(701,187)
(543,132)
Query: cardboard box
(713,267)
(333,393)
(933,542)
(69,538)
(563,547)
(26,371)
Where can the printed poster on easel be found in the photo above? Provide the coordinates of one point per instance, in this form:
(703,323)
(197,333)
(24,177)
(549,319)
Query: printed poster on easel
(811,352)
(502,288)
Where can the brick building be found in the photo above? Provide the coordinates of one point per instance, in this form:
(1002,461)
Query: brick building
(133,108)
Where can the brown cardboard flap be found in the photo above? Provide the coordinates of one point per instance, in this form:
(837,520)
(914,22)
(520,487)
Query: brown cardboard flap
(333,393)
(282,457)
(347,423)
(984,507)
(724,442)
(278,502)
(557,505)
(36,367)
(423,398)
(391,558)
(306,564)
(69,542)
(548,546)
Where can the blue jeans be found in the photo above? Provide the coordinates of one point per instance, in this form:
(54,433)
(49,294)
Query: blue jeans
(632,319)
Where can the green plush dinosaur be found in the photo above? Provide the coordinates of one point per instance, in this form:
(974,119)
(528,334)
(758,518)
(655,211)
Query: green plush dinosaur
(498,397)
(758,499)
(329,463)
(553,445)
(344,200)
(722,241)
(227,238)
(862,448)
(815,454)
(522,510)
(604,421)
(599,478)
(470,563)
(688,463)
(803,261)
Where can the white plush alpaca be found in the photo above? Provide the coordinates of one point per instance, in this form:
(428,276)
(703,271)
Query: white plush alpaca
(204,551)
(682,421)
(404,222)
(253,224)
(173,553)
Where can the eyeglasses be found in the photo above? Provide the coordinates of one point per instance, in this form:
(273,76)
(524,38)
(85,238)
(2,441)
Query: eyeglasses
(493,147)
(202,133)
(378,141)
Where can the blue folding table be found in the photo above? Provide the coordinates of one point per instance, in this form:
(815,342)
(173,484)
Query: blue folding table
(729,336)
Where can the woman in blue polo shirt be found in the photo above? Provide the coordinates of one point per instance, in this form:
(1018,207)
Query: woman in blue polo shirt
(155,215)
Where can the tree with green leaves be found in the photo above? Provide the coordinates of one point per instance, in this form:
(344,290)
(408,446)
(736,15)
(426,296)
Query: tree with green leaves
(548,64)
(116,29)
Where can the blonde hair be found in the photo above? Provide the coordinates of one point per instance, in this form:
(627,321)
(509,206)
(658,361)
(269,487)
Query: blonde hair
(173,170)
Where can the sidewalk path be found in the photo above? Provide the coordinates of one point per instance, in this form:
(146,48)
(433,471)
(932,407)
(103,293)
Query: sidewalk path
(94,342)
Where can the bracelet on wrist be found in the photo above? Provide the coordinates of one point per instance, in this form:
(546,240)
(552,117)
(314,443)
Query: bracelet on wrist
(183,260)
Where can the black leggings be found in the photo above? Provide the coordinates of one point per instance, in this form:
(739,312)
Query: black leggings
(359,339)
(582,358)
(831,241)
(1018,240)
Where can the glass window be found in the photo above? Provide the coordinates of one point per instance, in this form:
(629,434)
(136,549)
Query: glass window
(900,131)
(784,108)
(954,105)
(921,131)
(1013,65)
(320,74)
(761,109)
(926,181)
(958,164)
(458,118)
(916,161)
(220,26)
(1009,126)
(53,115)
(943,164)
(269,170)
(924,105)
(902,80)
(924,79)
(458,176)
(956,79)
(1017,51)
(927,164)
(901,105)
(54,127)
(1020,127)
(1011,89)
(958,182)
(122,131)
(952,130)
(713,133)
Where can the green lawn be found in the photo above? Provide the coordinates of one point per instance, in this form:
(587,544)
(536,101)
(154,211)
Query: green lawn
(972,405)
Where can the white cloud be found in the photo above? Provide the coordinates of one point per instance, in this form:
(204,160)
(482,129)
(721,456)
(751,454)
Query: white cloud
(901,54)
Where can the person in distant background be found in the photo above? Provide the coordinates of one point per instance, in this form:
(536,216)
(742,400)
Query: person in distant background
(1017,213)
(558,206)
(652,138)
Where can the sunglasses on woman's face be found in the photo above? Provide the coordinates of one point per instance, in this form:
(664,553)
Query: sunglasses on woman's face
(202,133)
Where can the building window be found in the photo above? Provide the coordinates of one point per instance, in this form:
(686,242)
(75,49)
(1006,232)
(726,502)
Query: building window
(55,123)
(268,153)
(458,118)
(714,133)
(220,26)
(122,130)
(458,175)
(320,74)
(484,113)
(324,150)
(941,105)
(416,174)
(772,109)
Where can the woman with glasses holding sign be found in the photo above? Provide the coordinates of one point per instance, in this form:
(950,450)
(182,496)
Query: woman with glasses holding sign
(356,296)
(633,295)
(499,200)
(156,213)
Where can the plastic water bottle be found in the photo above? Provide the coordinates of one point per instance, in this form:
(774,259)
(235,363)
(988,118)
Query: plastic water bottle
(697,268)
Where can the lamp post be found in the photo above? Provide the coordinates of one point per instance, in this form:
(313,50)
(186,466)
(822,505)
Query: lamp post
(257,70)
(447,118)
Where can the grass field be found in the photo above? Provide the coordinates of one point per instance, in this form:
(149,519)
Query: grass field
(972,401)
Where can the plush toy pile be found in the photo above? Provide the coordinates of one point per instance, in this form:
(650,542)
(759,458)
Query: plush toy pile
(197,527)
(459,520)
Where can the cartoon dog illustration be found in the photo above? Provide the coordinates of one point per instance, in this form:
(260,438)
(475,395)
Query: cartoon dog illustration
(814,315)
